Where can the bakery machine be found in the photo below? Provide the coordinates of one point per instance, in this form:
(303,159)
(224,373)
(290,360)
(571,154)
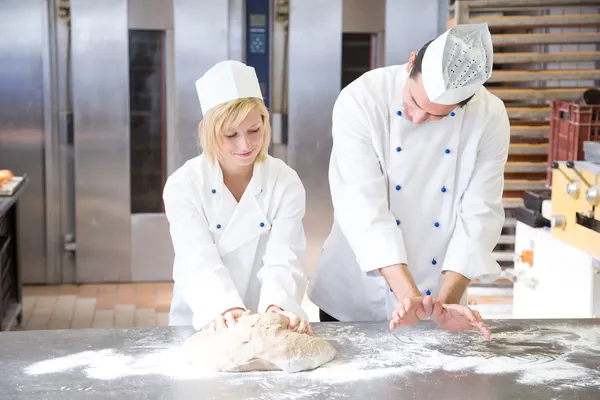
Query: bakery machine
(557,268)
(576,201)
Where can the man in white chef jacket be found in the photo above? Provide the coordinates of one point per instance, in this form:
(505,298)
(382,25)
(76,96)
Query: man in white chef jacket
(416,177)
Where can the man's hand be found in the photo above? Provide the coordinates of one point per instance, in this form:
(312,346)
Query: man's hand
(400,280)
(296,323)
(453,287)
(410,311)
(456,317)
(228,319)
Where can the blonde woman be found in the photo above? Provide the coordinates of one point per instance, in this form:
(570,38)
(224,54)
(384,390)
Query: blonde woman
(235,213)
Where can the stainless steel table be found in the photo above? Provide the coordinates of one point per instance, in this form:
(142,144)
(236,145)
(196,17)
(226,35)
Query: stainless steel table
(524,359)
(10,266)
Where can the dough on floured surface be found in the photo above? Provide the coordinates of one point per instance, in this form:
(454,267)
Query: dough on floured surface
(258,342)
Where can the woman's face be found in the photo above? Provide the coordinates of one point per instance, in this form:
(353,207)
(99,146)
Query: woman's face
(240,145)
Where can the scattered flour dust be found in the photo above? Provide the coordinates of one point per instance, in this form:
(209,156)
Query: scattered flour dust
(107,364)
(535,355)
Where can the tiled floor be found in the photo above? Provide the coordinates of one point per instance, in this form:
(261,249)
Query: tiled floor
(96,306)
(147,304)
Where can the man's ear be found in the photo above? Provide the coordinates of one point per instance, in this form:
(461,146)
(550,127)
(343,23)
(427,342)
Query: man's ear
(411,61)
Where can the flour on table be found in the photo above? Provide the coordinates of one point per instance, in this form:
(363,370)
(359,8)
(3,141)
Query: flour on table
(536,356)
(108,364)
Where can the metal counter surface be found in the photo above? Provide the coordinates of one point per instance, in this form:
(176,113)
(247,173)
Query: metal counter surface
(6,202)
(525,359)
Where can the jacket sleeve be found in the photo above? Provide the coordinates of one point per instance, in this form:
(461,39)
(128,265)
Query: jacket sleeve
(282,276)
(205,283)
(480,211)
(359,189)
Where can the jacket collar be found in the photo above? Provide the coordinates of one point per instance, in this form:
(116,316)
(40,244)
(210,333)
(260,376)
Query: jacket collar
(255,186)
(241,222)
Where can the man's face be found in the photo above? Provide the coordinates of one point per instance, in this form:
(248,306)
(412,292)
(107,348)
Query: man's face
(417,107)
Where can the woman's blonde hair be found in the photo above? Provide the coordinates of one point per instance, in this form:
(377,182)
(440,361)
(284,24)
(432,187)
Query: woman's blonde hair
(219,119)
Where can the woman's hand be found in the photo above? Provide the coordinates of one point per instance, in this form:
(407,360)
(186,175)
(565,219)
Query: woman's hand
(228,319)
(296,323)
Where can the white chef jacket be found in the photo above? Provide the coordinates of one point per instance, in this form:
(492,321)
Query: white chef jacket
(427,195)
(227,255)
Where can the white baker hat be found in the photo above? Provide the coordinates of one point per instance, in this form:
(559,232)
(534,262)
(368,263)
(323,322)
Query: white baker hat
(226,81)
(457,63)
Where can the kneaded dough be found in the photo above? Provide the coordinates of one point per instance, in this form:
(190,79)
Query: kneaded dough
(258,342)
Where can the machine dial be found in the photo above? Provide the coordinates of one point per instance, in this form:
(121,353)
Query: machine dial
(592,195)
(573,189)
(558,221)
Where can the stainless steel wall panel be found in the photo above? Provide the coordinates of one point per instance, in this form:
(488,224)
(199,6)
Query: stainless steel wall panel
(237,30)
(171,104)
(279,72)
(52,145)
(409,24)
(150,14)
(22,41)
(151,248)
(443,15)
(201,40)
(315,46)
(65,156)
(101,106)
(363,16)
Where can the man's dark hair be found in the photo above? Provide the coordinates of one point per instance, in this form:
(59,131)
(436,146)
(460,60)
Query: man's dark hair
(418,64)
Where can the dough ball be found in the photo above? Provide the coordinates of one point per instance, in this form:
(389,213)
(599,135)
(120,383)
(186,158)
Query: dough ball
(258,342)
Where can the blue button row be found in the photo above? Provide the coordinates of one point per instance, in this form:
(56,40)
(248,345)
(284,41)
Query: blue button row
(436,224)
(443,189)
(262,225)
(399,113)
(427,292)
(399,149)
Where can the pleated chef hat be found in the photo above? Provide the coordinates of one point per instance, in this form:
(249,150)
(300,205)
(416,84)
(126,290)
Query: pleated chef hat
(226,81)
(457,63)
